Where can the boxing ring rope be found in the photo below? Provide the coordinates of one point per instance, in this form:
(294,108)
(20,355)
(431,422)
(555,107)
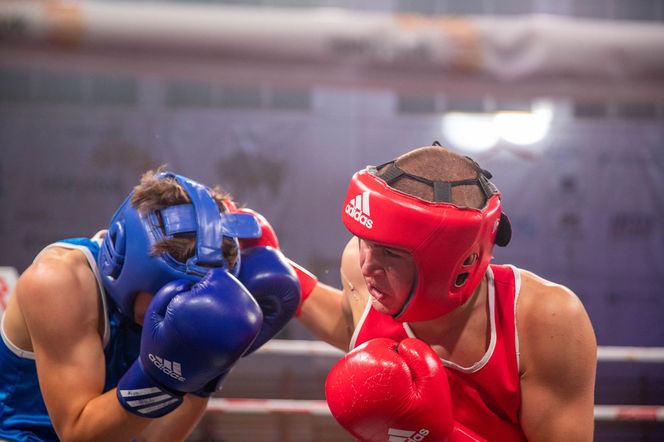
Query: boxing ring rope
(269,406)
(631,354)
(287,347)
(603,413)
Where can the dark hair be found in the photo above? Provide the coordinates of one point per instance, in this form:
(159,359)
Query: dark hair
(153,193)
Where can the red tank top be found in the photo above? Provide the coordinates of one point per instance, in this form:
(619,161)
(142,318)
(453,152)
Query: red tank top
(487,395)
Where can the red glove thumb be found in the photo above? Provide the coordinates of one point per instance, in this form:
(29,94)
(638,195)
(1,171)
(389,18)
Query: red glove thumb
(268,235)
(269,238)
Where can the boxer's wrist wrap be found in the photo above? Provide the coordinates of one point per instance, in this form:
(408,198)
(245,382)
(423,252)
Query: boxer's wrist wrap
(308,282)
(140,395)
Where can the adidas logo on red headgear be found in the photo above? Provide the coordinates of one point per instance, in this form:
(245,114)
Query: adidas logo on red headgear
(358,209)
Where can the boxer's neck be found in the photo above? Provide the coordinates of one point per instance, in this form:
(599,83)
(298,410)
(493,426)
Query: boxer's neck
(470,319)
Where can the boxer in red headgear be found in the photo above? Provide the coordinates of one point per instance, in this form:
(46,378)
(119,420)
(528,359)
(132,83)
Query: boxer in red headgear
(443,344)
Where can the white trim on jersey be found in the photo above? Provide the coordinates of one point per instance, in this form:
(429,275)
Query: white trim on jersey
(93,266)
(477,366)
(517,290)
(358,327)
(492,322)
(13,347)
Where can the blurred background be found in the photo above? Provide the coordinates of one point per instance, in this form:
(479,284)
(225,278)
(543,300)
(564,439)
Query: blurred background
(280,101)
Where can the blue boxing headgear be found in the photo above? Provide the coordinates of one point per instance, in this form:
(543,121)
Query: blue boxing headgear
(127,263)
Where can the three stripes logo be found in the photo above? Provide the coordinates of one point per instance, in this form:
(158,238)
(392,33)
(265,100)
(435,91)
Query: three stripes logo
(173,369)
(396,435)
(150,401)
(358,209)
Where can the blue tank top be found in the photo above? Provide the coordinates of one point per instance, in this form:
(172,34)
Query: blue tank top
(23,415)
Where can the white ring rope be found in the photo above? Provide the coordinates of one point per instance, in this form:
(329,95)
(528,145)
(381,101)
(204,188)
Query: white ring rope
(287,347)
(290,347)
(631,354)
(605,413)
(269,406)
(643,413)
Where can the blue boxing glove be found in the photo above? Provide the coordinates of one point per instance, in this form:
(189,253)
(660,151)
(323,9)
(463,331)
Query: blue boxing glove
(268,277)
(266,273)
(192,334)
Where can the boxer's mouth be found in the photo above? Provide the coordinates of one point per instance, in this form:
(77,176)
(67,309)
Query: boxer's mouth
(376,293)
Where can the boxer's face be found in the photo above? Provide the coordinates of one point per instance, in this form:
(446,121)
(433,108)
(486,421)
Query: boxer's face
(141,305)
(389,274)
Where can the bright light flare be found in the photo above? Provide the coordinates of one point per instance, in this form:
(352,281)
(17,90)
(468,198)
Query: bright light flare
(471,132)
(478,132)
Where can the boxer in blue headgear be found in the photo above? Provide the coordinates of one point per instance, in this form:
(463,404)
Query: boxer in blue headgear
(76,362)
(128,262)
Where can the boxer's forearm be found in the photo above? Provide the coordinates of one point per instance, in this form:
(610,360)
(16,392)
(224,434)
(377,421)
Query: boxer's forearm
(325,316)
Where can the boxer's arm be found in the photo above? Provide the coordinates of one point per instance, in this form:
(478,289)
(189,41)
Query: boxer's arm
(176,425)
(59,301)
(326,314)
(331,314)
(323,309)
(558,362)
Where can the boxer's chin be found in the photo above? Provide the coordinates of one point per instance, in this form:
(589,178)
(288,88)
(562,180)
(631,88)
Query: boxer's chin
(381,307)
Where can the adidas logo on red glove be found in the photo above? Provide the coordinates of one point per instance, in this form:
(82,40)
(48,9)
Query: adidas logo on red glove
(396,435)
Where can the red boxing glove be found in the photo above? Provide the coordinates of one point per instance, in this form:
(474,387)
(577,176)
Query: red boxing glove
(268,235)
(384,390)
(269,238)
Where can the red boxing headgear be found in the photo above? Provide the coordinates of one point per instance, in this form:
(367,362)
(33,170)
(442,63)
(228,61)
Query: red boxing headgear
(451,245)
